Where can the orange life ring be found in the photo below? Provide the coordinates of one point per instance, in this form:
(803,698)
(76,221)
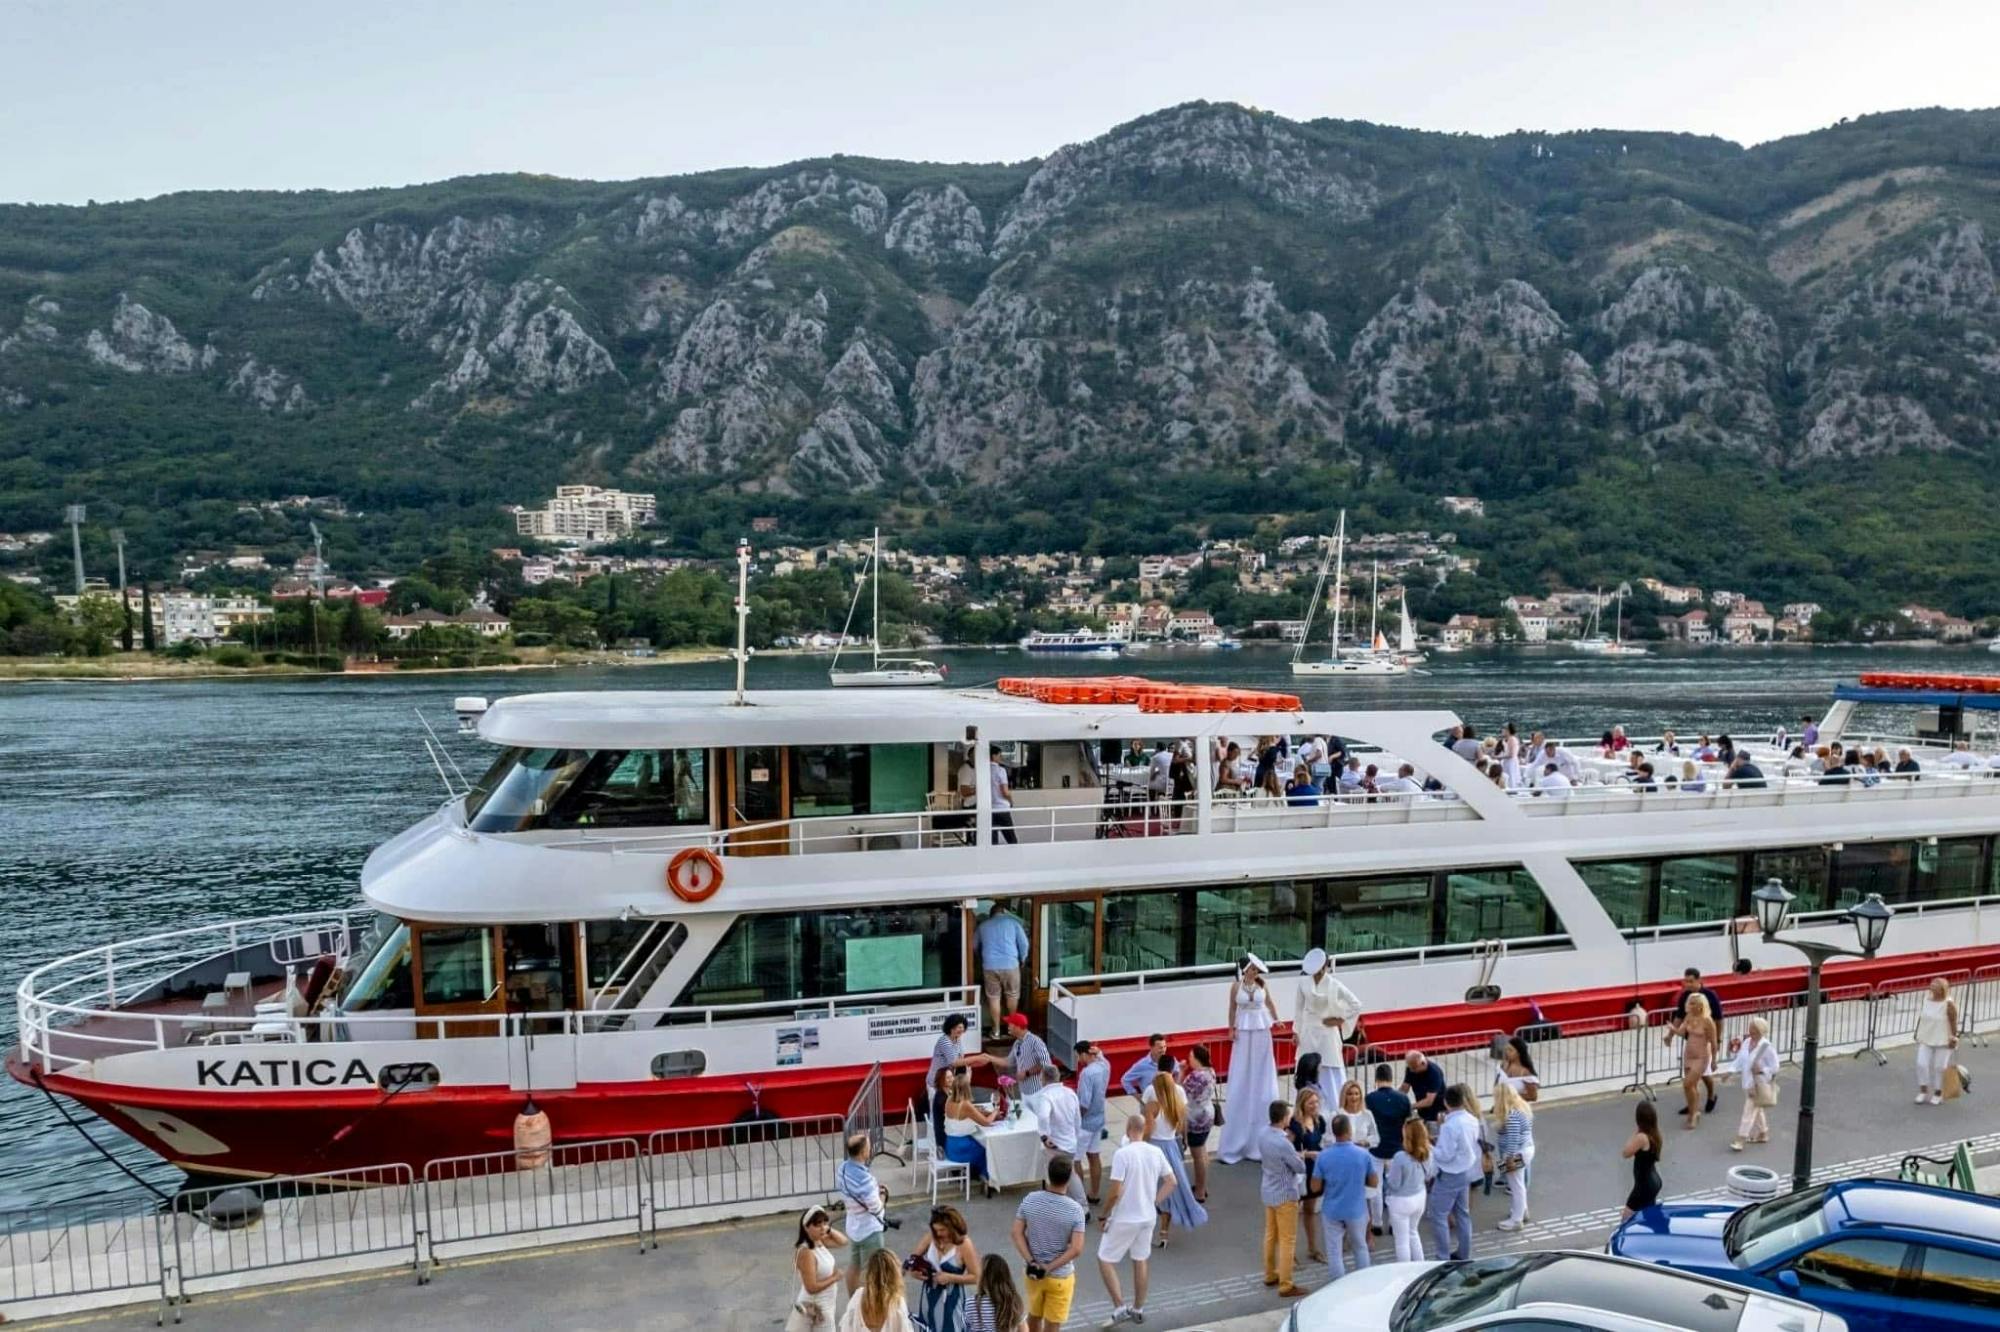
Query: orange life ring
(694,874)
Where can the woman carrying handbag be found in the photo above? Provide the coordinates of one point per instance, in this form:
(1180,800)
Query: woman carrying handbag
(816,1304)
(1756,1065)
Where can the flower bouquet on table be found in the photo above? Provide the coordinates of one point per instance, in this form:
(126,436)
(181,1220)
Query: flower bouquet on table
(1008,1107)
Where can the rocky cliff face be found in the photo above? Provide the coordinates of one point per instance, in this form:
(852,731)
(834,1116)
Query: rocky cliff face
(1208,286)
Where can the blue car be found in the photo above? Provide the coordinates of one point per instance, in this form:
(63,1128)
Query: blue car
(1885,1256)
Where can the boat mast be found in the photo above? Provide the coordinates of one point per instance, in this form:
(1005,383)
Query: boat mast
(1374,599)
(875,625)
(1312,607)
(742,653)
(1339,564)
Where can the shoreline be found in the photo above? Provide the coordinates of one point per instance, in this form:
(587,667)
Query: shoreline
(145,670)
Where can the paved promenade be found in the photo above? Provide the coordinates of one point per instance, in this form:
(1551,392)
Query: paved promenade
(736,1276)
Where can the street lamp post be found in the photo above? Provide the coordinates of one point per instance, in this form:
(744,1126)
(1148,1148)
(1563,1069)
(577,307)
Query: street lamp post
(1871,926)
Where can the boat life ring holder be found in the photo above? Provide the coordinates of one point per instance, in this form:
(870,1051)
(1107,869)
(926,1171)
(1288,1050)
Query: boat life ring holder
(694,874)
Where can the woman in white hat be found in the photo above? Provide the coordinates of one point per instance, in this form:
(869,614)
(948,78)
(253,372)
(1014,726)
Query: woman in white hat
(1324,1016)
(1253,1068)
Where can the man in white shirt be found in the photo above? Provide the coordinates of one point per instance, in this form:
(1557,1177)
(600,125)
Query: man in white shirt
(1457,1159)
(1141,1182)
(1313,754)
(1062,1127)
(1160,774)
(1961,756)
(1565,761)
(1003,797)
(1351,777)
(1552,783)
(1403,783)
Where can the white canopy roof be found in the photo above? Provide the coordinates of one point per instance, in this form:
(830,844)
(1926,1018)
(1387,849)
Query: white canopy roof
(664,719)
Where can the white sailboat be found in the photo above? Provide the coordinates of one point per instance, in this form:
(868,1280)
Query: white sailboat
(1595,642)
(1406,633)
(884,672)
(1351,661)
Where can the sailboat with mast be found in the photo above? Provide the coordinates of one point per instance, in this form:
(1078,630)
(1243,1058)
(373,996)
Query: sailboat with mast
(1375,660)
(1596,643)
(883,672)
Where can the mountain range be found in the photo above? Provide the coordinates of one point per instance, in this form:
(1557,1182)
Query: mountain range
(1210,305)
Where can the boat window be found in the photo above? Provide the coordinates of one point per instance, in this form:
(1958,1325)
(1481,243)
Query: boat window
(1802,869)
(1272,920)
(1070,946)
(636,788)
(1694,889)
(514,794)
(1624,888)
(1142,931)
(859,779)
(680,1064)
(381,970)
(1953,868)
(1371,915)
(1493,904)
(1861,868)
(458,965)
(776,958)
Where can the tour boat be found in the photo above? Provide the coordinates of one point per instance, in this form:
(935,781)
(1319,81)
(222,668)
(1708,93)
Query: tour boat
(885,672)
(663,910)
(1374,660)
(1087,642)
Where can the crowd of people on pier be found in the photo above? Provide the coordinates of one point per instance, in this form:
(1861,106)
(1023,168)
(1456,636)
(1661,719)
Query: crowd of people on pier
(1345,1156)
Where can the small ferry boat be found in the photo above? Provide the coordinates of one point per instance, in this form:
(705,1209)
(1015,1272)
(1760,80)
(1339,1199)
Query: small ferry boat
(661,910)
(1086,642)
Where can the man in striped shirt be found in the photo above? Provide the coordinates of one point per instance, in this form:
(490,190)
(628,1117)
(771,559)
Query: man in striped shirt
(1048,1234)
(947,1055)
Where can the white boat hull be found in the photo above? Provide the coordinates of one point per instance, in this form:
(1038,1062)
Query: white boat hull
(884,679)
(1350,667)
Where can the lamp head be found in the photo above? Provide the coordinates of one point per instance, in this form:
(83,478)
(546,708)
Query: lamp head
(1871,922)
(1773,904)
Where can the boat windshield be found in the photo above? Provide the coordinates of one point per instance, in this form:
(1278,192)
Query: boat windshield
(526,789)
(381,968)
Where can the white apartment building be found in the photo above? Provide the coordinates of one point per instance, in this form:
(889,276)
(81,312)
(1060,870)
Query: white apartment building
(587,514)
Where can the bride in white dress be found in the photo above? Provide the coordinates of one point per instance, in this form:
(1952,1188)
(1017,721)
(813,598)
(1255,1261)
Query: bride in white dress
(1253,1067)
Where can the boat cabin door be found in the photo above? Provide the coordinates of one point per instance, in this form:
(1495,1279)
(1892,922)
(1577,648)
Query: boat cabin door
(1064,941)
(759,792)
(543,1000)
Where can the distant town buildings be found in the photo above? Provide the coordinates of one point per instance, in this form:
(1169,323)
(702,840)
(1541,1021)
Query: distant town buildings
(486,623)
(1468,505)
(587,515)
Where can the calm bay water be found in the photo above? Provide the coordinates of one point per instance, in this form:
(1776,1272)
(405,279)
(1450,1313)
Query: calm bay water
(131,808)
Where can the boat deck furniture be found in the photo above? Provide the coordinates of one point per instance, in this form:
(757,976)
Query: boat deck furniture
(237,983)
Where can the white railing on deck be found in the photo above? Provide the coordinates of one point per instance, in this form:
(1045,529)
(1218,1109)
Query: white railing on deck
(59,1002)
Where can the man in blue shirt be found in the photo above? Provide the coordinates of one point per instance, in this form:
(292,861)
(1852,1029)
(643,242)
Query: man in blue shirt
(1140,1076)
(1093,1080)
(1345,1173)
(1003,947)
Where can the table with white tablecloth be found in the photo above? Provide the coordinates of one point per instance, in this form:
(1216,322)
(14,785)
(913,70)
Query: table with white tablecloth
(1014,1147)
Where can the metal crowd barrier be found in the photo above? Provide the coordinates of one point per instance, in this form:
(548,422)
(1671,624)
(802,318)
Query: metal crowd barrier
(729,1163)
(302,1219)
(864,1112)
(78,1248)
(490,1195)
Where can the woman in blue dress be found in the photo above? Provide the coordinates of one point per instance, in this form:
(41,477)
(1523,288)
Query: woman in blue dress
(1166,1121)
(947,1266)
(962,1122)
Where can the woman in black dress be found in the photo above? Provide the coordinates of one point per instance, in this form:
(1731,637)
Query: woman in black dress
(1643,1150)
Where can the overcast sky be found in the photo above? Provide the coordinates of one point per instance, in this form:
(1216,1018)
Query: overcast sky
(126,100)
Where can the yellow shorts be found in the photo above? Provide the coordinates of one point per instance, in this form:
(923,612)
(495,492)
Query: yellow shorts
(1049,1297)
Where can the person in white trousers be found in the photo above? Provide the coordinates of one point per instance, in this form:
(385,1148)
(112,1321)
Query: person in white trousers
(1403,1190)
(1755,1061)
(1937,1037)
(1514,1124)
(1323,1016)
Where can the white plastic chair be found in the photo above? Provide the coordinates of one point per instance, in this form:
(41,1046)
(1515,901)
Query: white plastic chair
(923,1148)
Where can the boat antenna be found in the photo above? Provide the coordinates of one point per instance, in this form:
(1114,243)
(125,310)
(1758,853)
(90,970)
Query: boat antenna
(742,652)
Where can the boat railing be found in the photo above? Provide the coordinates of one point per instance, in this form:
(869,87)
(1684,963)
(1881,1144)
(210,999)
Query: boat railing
(1620,797)
(1093,820)
(66,1020)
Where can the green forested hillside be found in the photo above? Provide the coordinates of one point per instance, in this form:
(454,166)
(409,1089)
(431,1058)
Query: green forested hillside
(1775,368)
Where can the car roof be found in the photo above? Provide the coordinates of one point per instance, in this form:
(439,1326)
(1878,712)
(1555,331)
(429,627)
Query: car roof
(1884,1202)
(1638,1290)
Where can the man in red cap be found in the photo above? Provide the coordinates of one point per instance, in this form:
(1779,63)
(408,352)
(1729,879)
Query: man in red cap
(1028,1059)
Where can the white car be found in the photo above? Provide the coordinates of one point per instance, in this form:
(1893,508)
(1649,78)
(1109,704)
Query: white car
(1546,1292)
